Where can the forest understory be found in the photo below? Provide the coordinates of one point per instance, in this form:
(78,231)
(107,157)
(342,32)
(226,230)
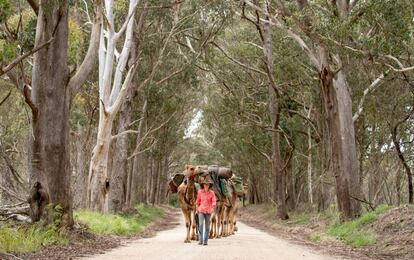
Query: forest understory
(83,241)
(388,234)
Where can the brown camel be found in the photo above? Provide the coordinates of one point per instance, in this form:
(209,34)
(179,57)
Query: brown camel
(230,212)
(216,228)
(187,196)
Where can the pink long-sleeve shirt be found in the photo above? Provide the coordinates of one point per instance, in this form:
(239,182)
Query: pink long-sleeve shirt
(206,201)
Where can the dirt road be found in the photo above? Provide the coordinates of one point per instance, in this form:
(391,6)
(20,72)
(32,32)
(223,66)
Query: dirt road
(248,243)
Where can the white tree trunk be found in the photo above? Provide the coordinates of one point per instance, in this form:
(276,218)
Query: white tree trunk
(111,95)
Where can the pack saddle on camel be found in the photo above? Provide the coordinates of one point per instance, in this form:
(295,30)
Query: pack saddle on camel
(216,219)
(223,218)
(227,188)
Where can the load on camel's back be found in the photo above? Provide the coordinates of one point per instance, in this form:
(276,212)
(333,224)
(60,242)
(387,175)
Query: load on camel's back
(226,186)
(223,218)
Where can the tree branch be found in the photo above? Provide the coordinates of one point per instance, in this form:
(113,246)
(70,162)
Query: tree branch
(35,5)
(404,69)
(275,22)
(22,57)
(146,134)
(113,109)
(124,133)
(170,76)
(89,62)
(125,25)
(12,194)
(27,93)
(4,99)
(261,152)
(368,90)
(236,61)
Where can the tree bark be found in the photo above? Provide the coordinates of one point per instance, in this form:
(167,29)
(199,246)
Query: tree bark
(155,177)
(148,179)
(50,99)
(338,107)
(98,170)
(274,109)
(310,183)
(135,182)
(49,140)
(80,165)
(113,88)
(120,192)
(120,168)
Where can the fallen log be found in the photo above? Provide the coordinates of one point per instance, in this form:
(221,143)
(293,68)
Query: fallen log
(19,212)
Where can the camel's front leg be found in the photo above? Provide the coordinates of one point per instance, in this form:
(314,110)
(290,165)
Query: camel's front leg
(187,225)
(220,226)
(235,228)
(213,226)
(225,227)
(193,226)
(226,223)
(231,223)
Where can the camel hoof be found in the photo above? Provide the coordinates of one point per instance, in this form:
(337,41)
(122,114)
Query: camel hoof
(187,241)
(218,237)
(236,229)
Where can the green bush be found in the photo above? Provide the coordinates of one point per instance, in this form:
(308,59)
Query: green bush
(29,238)
(355,232)
(111,224)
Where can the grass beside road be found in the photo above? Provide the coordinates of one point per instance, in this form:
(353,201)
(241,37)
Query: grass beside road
(112,224)
(356,232)
(323,228)
(27,238)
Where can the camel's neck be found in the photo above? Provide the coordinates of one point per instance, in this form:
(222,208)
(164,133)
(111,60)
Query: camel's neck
(190,189)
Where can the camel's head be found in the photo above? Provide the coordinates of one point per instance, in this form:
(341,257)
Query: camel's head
(190,171)
(201,170)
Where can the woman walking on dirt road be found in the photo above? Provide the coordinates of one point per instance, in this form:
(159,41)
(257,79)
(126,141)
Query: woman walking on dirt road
(206,202)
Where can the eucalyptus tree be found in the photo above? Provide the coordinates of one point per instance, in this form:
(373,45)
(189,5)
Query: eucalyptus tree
(119,192)
(113,88)
(337,102)
(163,63)
(49,97)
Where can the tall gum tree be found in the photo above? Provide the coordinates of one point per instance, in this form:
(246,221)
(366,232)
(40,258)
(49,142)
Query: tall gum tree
(274,109)
(119,193)
(336,98)
(113,87)
(49,98)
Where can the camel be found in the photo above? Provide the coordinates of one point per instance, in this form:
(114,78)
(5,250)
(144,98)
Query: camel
(187,196)
(216,222)
(223,219)
(230,212)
